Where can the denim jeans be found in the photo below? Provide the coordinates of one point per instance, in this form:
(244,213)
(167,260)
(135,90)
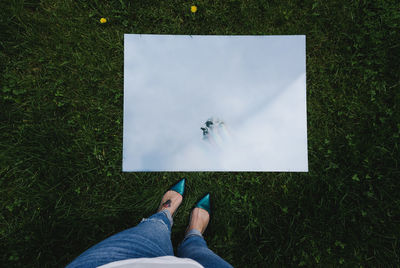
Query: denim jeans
(150,238)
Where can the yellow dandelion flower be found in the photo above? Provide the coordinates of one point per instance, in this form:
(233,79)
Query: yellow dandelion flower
(193,9)
(103,20)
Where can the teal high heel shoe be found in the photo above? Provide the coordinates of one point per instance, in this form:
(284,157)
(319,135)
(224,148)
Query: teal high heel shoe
(179,187)
(204,203)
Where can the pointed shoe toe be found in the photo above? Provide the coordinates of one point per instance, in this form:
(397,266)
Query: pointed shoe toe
(204,203)
(179,187)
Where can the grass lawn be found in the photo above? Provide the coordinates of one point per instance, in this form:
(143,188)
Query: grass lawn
(61,92)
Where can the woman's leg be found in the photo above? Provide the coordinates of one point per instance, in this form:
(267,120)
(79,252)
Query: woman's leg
(150,238)
(195,247)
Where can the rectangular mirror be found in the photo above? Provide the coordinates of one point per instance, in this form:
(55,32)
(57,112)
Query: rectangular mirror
(214,103)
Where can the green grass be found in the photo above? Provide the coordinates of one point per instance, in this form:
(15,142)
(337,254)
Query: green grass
(61,86)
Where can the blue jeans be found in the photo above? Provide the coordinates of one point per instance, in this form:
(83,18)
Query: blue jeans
(150,238)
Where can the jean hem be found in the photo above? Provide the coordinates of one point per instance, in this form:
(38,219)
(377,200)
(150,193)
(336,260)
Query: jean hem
(191,233)
(169,216)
